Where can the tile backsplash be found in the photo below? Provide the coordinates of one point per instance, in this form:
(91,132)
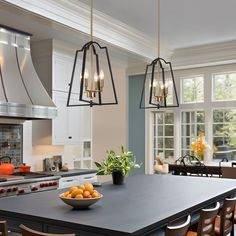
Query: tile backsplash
(11,142)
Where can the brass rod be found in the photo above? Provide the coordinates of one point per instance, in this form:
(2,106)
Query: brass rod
(91,20)
(91,47)
(158,41)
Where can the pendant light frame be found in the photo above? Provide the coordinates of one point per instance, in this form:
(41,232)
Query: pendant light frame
(92,93)
(158,64)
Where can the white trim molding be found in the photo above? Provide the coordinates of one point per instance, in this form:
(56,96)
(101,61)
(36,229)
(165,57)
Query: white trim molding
(204,55)
(75,15)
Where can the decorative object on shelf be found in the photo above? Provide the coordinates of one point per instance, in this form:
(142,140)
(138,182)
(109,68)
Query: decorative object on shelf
(160,167)
(117,165)
(93,76)
(159,79)
(199,147)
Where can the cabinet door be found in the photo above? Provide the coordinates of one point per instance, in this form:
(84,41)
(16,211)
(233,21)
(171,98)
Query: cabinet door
(75,123)
(62,72)
(67,127)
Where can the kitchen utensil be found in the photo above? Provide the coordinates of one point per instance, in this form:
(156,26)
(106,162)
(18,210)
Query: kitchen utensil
(80,203)
(6,168)
(24,168)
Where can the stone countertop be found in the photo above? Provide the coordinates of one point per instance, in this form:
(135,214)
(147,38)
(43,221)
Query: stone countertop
(143,204)
(72,172)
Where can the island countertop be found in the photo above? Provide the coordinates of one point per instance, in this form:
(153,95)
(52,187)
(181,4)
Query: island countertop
(144,205)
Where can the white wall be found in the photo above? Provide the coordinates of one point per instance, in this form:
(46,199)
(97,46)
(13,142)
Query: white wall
(110,123)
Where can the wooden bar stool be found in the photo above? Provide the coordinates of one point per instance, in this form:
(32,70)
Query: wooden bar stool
(224,223)
(29,232)
(206,225)
(179,230)
(4,230)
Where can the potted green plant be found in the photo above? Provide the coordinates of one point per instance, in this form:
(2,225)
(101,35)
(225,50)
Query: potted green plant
(117,165)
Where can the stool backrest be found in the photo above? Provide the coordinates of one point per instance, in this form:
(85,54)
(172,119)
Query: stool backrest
(3,228)
(179,230)
(206,225)
(227,215)
(29,232)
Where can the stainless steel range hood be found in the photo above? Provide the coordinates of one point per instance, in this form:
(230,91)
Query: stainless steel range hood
(22,94)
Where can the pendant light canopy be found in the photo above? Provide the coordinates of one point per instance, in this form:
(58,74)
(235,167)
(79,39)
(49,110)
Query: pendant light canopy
(159,81)
(92,81)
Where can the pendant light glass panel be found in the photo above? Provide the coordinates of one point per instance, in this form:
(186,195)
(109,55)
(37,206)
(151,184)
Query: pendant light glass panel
(159,86)
(92,78)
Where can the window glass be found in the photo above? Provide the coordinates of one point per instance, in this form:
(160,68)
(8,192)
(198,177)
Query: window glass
(193,123)
(224,133)
(224,86)
(192,89)
(164,128)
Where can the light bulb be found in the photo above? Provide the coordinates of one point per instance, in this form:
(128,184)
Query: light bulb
(95,77)
(101,75)
(96,80)
(154,84)
(86,73)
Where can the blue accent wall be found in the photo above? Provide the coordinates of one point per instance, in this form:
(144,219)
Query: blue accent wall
(136,122)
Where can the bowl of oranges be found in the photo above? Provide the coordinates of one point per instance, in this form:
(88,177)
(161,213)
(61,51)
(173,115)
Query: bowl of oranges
(81,197)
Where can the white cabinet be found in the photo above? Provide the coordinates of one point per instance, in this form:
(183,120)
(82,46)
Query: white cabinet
(67,127)
(62,69)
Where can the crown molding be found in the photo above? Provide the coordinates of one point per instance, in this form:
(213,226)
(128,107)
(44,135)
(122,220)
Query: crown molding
(204,55)
(75,15)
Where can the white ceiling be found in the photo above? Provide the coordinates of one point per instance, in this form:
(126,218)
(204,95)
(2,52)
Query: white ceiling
(183,22)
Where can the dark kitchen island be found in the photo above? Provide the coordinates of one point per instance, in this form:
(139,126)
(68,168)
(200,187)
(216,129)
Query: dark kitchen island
(143,206)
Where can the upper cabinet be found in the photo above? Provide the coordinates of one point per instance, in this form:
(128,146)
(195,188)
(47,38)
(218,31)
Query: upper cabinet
(62,69)
(68,126)
(72,124)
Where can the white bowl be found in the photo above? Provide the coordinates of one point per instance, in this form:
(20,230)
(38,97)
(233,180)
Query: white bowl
(80,203)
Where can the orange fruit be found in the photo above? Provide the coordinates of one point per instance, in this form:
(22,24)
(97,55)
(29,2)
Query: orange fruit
(68,196)
(80,190)
(95,194)
(89,187)
(82,187)
(75,192)
(72,189)
(65,194)
(86,194)
(79,196)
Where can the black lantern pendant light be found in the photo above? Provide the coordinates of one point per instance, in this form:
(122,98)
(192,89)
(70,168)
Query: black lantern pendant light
(92,81)
(159,81)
